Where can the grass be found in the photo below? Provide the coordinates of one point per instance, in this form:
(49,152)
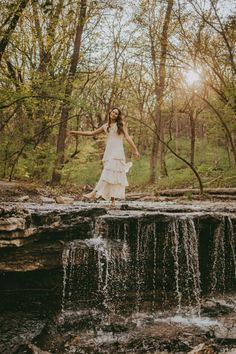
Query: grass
(138,177)
(211,161)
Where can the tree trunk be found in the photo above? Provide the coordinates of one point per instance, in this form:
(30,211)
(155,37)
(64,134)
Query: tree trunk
(56,177)
(153,161)
(160,77)
(192,118)
(12,25)
(225,126)
(176,120)
(45,64)
(228,150)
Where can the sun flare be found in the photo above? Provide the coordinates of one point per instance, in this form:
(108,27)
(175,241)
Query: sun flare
(192,76)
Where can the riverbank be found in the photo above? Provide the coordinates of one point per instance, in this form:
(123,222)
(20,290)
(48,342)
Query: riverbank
(16,191)
(145,277)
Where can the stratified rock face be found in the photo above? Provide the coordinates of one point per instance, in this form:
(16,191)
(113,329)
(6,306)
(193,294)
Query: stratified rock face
(32,238)
(140,251)
(151,258)
(12,224)
(20,226)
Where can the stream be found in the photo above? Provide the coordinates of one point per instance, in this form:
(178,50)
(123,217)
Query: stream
(144,280)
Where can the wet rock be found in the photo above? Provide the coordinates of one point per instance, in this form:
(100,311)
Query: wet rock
(23,199)
(227,333)
(40,230)
(18,329)
(37,229)
(12,210)
(31,257)
(29,349)
(47,200)
(36,350)
(213,308)
(18,226)
(52,337)
(64,200)
(81,320)
(203,349)
(12,223)
(118,327)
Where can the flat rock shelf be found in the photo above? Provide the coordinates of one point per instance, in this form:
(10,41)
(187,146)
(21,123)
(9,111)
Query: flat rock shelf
(154,275)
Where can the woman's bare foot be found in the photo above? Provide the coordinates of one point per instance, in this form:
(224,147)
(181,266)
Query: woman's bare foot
(90,196)
(113,202)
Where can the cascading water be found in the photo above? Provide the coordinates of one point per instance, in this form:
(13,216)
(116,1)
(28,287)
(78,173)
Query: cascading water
(140,263)
(107,277)
(183,241)
(137,284)
(217,278)
(222,258)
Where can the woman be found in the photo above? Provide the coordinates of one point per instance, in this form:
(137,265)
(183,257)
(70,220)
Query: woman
(113,180)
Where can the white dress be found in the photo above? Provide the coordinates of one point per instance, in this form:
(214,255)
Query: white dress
(113,179)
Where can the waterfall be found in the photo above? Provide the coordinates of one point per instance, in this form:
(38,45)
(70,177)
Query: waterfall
(223,257)
(75,260)
(183,239)
(217,278)
(106,264)
(134,264)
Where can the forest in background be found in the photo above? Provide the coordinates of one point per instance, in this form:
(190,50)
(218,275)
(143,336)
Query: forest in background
(169,65)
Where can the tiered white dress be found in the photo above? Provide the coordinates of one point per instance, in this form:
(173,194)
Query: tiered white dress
(113,179)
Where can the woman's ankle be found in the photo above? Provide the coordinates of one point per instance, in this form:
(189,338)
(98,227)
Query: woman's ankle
(91,195)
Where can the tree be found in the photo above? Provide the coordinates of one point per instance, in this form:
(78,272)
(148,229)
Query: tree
(217,56)
(56,177)
(149,18)
(12,21)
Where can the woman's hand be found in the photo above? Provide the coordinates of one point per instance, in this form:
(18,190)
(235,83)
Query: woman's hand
(71,132)
(137,155)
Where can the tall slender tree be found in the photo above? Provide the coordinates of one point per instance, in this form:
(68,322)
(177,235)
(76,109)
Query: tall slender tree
(160,81)
(11,21)
(56,177)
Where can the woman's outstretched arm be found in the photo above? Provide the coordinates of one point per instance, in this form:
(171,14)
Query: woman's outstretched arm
(130,141)
(86,133)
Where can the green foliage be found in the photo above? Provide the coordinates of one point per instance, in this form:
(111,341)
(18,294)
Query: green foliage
(211,161)
(139,173)
(115,69)
(86,167)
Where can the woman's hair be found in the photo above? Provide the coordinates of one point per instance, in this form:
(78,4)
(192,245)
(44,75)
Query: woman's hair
(119,121)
